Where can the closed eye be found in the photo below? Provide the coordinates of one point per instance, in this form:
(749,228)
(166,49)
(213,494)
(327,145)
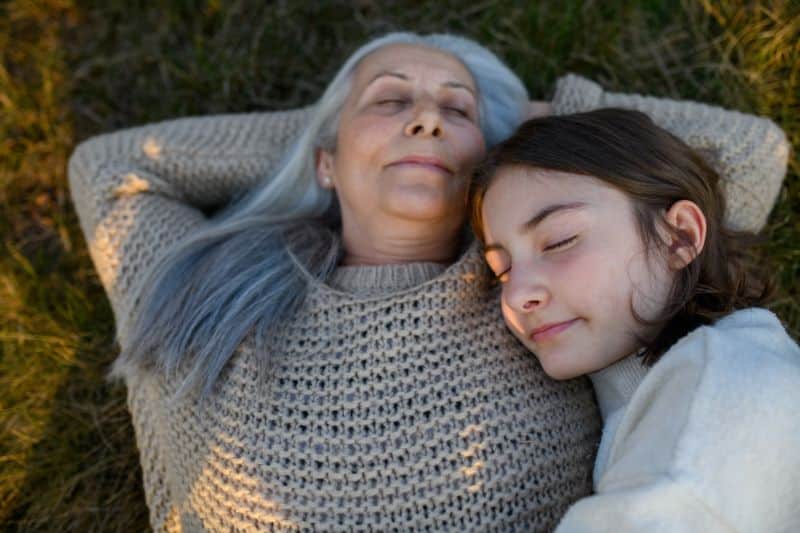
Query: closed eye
(502,277)
(560,244)
(457,111)
(392,102)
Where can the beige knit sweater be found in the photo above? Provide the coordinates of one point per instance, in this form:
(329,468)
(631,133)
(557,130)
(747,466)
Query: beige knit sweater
(397,398)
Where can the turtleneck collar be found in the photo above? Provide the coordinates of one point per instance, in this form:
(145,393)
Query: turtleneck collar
(614,385)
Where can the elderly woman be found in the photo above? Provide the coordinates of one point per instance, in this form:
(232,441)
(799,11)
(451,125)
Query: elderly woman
(326,351)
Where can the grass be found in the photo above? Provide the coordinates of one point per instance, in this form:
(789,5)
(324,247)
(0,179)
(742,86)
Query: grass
(71,69)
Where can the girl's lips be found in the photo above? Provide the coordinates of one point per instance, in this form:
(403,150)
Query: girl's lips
(549,331)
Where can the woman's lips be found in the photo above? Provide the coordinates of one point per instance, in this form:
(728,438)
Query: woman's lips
(430,163)
(549,331)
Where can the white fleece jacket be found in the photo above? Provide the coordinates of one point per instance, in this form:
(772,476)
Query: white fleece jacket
(706,440)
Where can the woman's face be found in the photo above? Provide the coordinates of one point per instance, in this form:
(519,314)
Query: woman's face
(567,250)
(408,139)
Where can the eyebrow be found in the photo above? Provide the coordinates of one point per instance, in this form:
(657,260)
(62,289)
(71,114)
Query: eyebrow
(401,76)
(537,219)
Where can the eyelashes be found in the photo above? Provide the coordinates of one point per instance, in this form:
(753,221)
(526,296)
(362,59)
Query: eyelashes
(560,244)
(397,104)
(502,277)
(457,111)
(393,103)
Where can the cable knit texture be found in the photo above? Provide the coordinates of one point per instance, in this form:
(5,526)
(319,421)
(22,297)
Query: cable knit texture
(397,398)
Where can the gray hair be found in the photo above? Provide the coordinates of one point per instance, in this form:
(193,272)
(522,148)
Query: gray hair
(247,270)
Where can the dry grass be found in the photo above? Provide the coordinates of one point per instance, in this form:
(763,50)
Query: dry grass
(72,69)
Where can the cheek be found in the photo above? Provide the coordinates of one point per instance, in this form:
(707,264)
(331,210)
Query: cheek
(469,145)
(651,289)
(592,282)
(361,138)
(513,321)
(508,315)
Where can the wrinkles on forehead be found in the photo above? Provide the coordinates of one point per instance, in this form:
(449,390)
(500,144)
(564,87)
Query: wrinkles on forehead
(413,64)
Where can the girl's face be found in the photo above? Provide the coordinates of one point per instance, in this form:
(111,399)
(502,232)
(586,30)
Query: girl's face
(571,262)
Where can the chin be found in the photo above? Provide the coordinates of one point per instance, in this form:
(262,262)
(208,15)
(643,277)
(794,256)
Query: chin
(425,203)
(554,366)
(560,374)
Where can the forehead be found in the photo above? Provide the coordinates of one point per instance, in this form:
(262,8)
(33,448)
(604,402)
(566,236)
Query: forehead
(517,192)
(414,61)
(518,185)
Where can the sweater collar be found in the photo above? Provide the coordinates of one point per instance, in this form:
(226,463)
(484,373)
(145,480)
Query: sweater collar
(383,279)
(614,385)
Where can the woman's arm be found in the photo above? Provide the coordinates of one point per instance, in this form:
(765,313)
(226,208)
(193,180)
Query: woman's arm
(139,191)
(749,152)
(145,401)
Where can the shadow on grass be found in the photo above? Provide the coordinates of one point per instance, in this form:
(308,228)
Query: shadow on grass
(87,475)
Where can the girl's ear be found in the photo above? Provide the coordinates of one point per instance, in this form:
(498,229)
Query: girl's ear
(325,168)
(688,235)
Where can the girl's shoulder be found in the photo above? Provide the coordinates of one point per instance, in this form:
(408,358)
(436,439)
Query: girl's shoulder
(740,354)
(746,338)
(726,394)
(745,363)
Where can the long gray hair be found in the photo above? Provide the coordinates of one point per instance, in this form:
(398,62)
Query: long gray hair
(248,269)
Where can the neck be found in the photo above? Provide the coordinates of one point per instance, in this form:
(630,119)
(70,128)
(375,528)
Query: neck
(421,245)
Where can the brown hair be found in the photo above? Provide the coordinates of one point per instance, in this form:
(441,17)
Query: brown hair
(654,169)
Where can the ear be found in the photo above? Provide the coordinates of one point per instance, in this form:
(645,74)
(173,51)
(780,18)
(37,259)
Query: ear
(688,220)
(325,167)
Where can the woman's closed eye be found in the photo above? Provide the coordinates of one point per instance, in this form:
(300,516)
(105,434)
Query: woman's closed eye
(392,103)
(457,111)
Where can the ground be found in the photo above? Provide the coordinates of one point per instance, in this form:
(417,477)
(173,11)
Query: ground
(69,70)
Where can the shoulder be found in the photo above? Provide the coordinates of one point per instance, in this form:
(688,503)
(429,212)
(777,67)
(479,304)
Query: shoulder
(737,356)
(713,379)
(742,361)
(718,413)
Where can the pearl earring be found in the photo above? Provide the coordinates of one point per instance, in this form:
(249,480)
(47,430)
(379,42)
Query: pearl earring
(326,180)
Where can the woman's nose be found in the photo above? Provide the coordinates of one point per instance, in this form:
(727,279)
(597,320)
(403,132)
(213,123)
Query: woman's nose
(426,122)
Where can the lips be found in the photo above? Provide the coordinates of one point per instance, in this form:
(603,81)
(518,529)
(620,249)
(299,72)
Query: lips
(432,163)
(549,331)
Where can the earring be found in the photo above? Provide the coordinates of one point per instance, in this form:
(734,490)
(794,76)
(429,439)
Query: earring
(326,180)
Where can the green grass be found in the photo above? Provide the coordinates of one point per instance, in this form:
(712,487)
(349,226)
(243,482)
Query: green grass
(70,69)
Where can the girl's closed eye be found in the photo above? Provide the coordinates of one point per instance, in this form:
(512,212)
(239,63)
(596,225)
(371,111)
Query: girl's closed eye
(502,277)
(561,245)
(498,265)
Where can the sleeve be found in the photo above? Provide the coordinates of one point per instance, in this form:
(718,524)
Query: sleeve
(143,406)
(660,507)
(139,191)
(750,153)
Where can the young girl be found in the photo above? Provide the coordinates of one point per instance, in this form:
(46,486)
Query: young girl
(606,233)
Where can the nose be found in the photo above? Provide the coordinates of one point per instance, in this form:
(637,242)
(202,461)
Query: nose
(526,294)
(426,122)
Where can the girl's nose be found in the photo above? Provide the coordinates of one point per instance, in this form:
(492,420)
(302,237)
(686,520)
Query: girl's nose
(526,296)
(426,122)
